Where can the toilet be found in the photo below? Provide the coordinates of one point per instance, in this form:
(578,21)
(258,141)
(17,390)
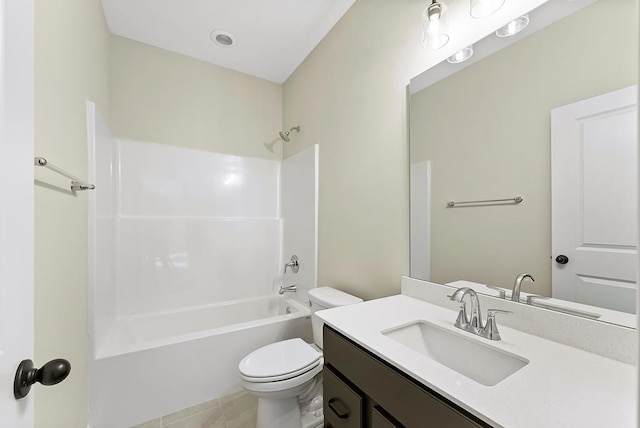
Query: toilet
(286,376)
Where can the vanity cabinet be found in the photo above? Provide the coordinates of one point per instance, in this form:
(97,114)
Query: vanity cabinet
(362,390)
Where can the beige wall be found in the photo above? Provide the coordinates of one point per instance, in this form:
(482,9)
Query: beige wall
(163,97)
(71,64)
(487,133)
(349,96)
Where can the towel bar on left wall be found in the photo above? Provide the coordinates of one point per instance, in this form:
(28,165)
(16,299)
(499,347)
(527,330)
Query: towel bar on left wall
(76,183)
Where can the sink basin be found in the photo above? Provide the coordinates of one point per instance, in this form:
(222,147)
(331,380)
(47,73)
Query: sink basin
(479,362)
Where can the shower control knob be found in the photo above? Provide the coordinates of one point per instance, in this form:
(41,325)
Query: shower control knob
(562,259)
(294,264)
(54,372)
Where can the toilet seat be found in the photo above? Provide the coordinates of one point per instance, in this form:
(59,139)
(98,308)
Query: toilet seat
(281,377)
(290,386)
(279,361)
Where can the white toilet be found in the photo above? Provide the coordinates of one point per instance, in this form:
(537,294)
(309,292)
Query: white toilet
(284,373)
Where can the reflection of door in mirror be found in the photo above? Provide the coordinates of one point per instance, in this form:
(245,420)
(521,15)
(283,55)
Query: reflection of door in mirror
(594,200)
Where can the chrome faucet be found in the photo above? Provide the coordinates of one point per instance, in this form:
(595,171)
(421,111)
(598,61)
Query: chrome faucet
(515,294)
(287,289)
(294,264)
(474,324)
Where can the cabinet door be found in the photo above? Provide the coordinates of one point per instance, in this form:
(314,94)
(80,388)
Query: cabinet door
(380,420)
(342,405)
(410,404)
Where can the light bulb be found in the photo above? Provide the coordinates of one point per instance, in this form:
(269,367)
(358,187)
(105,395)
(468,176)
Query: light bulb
(434,26)
(434,11)
(461,55)
(513,27)
(484,8)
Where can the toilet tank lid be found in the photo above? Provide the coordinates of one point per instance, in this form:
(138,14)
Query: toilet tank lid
(331,298)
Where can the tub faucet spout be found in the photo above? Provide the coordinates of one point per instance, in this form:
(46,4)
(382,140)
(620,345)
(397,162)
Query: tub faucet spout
(287,289)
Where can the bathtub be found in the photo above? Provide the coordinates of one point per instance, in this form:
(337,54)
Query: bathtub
(156,364)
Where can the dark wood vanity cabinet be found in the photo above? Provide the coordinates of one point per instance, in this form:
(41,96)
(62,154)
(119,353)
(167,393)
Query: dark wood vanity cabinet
(361,390)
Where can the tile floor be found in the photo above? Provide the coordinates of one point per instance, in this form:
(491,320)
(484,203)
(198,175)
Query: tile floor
(232,411)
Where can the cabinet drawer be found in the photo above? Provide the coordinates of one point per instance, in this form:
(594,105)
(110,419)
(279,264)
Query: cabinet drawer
(342,405)
(412,405)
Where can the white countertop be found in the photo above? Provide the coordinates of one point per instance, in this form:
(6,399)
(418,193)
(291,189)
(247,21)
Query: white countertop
(560,387)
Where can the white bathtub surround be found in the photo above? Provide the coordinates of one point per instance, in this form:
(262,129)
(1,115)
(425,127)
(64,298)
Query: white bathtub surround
(420,218)
(102,225)
(172,263)
(300,218)
(175,227)
(559,386)
(193,227)
(185,260)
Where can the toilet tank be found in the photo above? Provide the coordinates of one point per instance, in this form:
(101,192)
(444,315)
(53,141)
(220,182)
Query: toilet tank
(326,298)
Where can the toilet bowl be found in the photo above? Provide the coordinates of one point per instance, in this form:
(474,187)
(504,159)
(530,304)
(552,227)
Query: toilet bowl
(286,373)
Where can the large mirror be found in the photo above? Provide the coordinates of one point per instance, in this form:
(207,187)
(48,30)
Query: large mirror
(524,159)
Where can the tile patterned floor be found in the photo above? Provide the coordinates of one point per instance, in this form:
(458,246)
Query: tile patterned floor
(233,411)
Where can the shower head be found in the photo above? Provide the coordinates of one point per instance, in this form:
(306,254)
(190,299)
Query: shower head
(285,134)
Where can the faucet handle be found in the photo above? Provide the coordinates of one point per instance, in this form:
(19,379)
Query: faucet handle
(463,318)
(501,291)
(490,330)
(294,264)
(494,312)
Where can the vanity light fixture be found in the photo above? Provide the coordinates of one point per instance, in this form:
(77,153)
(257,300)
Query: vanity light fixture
(513,27)
(461,55)
(484,8)
(434,26)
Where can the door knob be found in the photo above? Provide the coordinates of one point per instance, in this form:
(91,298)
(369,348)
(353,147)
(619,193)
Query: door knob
(55,371)
(562,259)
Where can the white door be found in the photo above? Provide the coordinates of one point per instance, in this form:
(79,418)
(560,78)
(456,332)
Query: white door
(594,153)
(16,205)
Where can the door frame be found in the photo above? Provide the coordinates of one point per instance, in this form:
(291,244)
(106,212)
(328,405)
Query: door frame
(16,204)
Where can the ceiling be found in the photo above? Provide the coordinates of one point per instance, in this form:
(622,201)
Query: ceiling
(272,37)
